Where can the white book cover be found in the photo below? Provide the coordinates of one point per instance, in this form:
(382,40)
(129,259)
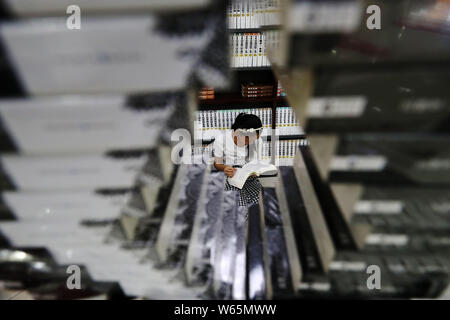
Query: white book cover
(256,14)
(259,113)
(198,126)
(224,119)
(244,13)
(254,50)
(288,121)
(264,13)
(203,113)
(251,14)
(259,21)
(239,48)
(249,21)
(239,23)
(69,205)
(217,122)
(252,168)
(259,48)
(250,49)
(236,50)
(72,172)
(281,142)
(278,119)
(225,114)
(206,135)
(230,15)
(264,55)
(281,121)
(250,54)
(210,124)
(213,124)
(232,50)
(277,15)
(235,15)
(224,124)
(107,55)
(272,12)
(249,58)
(292,122)
(246,49)
(204,123)
(51,7)
(74,124)
(230,118)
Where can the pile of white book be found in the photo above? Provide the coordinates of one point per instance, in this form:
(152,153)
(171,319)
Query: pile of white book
(210,123)
(287,122)
(248,14)
(248,50)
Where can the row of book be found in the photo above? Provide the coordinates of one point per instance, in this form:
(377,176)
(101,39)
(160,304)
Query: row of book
(122,60)
(287,122)
(250,90)
(248,50)
(206,94)
(250,14)
(213,122)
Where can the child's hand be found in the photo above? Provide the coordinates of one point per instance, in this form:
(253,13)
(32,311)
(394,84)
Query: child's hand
(229,171)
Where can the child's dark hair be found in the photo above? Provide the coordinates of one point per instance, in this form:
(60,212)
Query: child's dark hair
(246,121)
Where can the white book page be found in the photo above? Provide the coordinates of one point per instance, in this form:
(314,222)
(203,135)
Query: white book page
(241,175)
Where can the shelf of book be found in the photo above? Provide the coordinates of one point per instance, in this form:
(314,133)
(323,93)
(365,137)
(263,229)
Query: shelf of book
(268,138)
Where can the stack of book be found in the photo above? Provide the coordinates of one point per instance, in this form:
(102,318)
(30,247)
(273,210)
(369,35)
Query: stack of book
(206,94)
(210,123)
(250,14)
(256,91)
(287,123)
(248,50)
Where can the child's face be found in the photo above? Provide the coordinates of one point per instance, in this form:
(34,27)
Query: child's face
(245,139)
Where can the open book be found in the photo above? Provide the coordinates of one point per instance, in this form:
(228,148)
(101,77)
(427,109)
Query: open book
(251,168)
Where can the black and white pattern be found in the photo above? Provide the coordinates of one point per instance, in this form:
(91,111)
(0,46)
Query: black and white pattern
(249,194)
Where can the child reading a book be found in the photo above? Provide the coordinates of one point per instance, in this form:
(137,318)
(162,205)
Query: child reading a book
(233,149)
